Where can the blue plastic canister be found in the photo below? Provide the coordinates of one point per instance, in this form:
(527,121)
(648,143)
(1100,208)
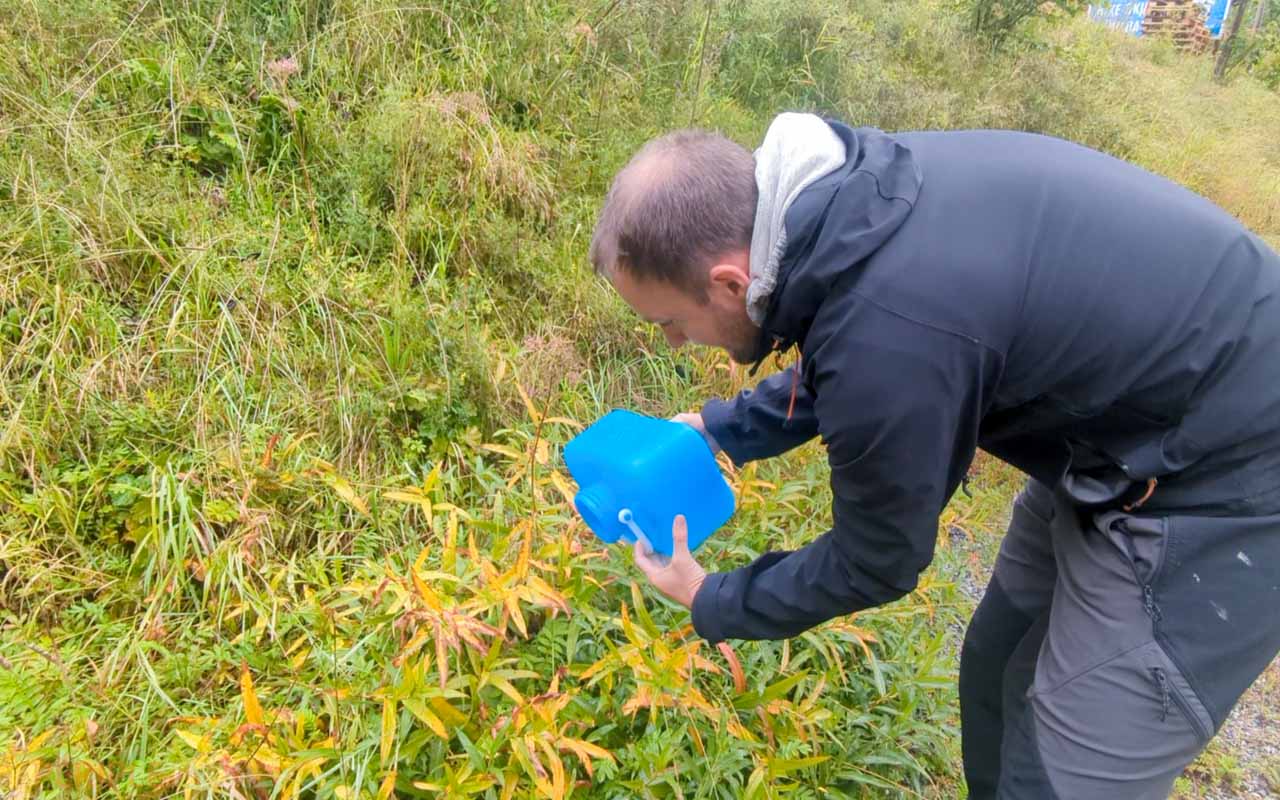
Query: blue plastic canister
(636,474)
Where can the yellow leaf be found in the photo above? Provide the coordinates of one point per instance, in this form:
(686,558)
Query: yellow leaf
(565,421)
(585,751)
(309,768)
(413,496)
(421,559)
(388,787)
(347,492)
(28,778)
(563,487)
(420,710)
(198,743)
(503,450)
(557,769)
(629,630)
(451,508)
(477,784)
(447,712)
(414,644)
(428,596)
(449,560)
(299,642)
(432,479)
(605,665)
(513,608)
(293,444)
(534,415)
(252,710)
(526,546)
(504,686)
(83,778)
(388,731)
(697,739)
(592,750)
(436,575)
(97,768)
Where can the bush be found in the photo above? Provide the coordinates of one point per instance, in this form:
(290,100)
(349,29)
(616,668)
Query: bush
(1261,55)
(997,20)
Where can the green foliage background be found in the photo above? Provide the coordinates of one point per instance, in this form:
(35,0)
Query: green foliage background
(294,316)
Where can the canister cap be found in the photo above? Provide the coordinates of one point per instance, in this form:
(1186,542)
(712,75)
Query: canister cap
(598,506)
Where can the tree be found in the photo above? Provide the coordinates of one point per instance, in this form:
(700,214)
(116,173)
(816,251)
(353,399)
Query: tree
(1224,55)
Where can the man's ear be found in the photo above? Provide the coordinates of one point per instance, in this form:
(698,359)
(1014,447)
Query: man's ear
(729,277)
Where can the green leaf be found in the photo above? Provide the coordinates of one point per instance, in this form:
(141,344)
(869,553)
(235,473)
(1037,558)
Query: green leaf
(772,692)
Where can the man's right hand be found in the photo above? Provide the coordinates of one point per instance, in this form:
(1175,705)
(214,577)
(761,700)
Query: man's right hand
(694,420)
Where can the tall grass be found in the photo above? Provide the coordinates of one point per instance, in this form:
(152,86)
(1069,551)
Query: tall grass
(294,317)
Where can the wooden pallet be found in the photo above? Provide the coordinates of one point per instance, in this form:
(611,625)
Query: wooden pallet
(1179,20)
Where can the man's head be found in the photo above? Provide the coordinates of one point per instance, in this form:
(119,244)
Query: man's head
(674,239)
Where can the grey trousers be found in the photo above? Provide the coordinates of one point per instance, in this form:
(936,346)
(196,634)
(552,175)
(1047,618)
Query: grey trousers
(1109,648)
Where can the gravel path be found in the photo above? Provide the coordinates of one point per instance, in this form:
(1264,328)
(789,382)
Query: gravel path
(1244,760)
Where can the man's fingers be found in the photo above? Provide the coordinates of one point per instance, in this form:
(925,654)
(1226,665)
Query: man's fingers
(643,560)
(680,536)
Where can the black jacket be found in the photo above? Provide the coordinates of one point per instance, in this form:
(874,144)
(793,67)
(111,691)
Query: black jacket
(1089,322)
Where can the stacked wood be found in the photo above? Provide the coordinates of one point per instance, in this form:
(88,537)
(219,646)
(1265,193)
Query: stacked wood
(1180,20)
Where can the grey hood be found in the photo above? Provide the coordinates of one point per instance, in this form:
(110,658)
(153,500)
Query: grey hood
(797,150)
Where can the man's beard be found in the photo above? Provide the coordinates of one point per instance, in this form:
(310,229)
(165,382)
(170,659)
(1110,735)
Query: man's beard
(745,342)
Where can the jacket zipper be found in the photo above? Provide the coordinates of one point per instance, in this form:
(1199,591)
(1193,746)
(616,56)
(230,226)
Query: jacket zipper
(1148,594)
(1149,602)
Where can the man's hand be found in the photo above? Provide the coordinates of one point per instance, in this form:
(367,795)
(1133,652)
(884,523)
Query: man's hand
(680,577)
(694,420)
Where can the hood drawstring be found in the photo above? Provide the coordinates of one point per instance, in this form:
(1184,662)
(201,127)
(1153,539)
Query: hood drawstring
(795,374)
(795,385)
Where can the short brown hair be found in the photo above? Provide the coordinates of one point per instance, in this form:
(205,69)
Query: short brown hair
(682,200)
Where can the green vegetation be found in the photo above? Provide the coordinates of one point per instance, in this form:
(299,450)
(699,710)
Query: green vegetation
(294,316)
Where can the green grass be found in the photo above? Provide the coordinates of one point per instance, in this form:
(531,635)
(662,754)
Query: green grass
(286,293)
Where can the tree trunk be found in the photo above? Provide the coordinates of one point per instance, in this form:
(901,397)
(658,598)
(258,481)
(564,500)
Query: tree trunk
(1224,55)
(1259,15)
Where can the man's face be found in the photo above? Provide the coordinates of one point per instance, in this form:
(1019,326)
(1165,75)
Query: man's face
(718,320)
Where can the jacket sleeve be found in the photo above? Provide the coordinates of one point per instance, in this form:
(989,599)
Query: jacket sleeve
(754,424)
(899,443)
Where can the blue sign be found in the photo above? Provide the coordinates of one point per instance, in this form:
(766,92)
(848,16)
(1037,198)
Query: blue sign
(1125,15)
(1215,15)
(1129,15)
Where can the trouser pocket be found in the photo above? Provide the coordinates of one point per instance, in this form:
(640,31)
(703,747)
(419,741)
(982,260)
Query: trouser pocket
(1125,727)
(1174,693)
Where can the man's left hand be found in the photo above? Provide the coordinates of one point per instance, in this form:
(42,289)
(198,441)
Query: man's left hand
(678,578)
